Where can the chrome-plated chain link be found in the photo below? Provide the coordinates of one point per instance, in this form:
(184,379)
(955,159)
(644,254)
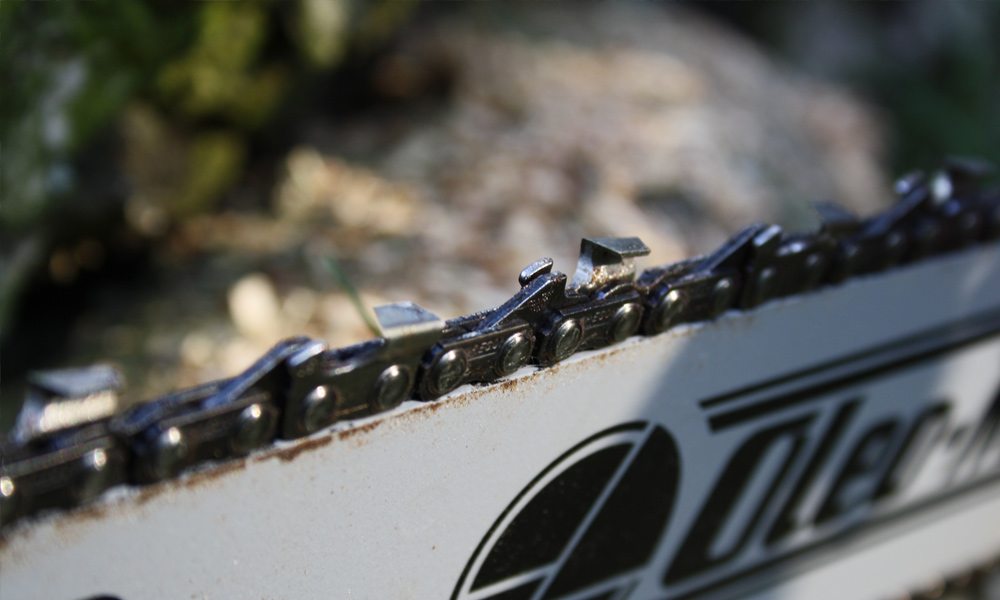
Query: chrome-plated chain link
(69,446)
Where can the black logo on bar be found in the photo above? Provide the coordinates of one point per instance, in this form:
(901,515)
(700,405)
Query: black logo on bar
(588,522)
(808,467)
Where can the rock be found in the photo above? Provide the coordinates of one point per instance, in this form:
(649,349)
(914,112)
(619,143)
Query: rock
(355,201)
(501,147)
(254,307)
(618,120)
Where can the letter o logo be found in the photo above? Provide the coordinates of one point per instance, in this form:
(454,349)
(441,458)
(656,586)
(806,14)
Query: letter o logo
(587,523)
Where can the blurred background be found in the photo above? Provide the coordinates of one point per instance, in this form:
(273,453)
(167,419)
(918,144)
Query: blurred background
(184,184)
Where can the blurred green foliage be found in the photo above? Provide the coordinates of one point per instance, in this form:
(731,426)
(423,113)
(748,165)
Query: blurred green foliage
(932,67)
(950,104)
(213,72)
(69,68)
(218,74)
(183,90)
(164,97)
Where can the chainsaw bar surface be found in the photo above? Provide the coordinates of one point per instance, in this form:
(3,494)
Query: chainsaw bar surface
(602,435)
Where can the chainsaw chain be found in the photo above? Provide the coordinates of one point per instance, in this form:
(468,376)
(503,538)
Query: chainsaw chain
(67,448)
(977,582)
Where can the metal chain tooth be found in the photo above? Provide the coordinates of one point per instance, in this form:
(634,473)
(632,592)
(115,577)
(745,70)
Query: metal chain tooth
(301,387)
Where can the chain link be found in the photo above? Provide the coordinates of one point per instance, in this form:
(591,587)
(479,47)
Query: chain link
(301,386)
(978,582)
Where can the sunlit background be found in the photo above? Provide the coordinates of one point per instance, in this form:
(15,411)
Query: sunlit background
(184,184)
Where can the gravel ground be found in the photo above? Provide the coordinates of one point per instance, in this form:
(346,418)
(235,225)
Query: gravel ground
(495,141)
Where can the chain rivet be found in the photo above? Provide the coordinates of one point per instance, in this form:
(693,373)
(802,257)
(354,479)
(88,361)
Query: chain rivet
(969,225)
(851,255)
(8,498)
(723,295)
(6,487)
(766,280)
(514,353)
(392,387)
(895,247)
(318,408)
(815,266)
(447,372)
(566,339)
(667,309)
(255,426)
(626,321)
(96,477)
(169,451)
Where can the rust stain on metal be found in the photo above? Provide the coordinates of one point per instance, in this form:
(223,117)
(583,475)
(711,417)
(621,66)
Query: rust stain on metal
(360,429)
(191,480)
(292,452)
(508,386)
(473,394)
(425,409)
(66,529)
(65,522)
